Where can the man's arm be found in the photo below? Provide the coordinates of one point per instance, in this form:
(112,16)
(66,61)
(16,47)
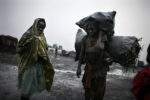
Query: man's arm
(100,43)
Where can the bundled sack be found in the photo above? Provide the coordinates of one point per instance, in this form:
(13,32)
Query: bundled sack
(124,50)
(105,21)
(79,36)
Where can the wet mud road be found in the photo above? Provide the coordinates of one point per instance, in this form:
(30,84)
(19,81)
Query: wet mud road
(66,85)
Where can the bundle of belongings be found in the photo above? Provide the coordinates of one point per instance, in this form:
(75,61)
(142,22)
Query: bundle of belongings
(105,20)
(123,49)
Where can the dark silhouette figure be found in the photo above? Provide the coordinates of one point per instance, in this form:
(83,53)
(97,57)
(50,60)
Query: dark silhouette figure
(141,83)
(56,52)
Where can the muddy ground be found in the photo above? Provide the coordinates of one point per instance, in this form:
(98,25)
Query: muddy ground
(66,85)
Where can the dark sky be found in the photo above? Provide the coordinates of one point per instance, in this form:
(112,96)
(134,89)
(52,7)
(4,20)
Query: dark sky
(132,18)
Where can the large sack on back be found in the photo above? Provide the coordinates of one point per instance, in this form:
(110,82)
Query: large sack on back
(123,49)
(105,20)
(80,34)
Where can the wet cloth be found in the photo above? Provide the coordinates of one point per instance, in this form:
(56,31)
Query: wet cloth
(140,84)
(94,81)
(31,47)
(97,90)
(32,80)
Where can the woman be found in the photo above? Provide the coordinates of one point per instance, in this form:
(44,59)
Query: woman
(35,71)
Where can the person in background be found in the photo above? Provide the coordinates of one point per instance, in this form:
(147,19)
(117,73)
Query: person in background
(56,52)
(35,71)
(141,82)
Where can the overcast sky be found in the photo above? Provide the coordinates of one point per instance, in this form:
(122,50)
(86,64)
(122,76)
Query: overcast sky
(132,18)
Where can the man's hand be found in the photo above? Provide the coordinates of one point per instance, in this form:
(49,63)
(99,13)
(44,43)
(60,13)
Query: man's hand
(78,72)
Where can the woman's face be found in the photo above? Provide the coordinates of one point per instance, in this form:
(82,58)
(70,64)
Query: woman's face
(92,30)
(40,26)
